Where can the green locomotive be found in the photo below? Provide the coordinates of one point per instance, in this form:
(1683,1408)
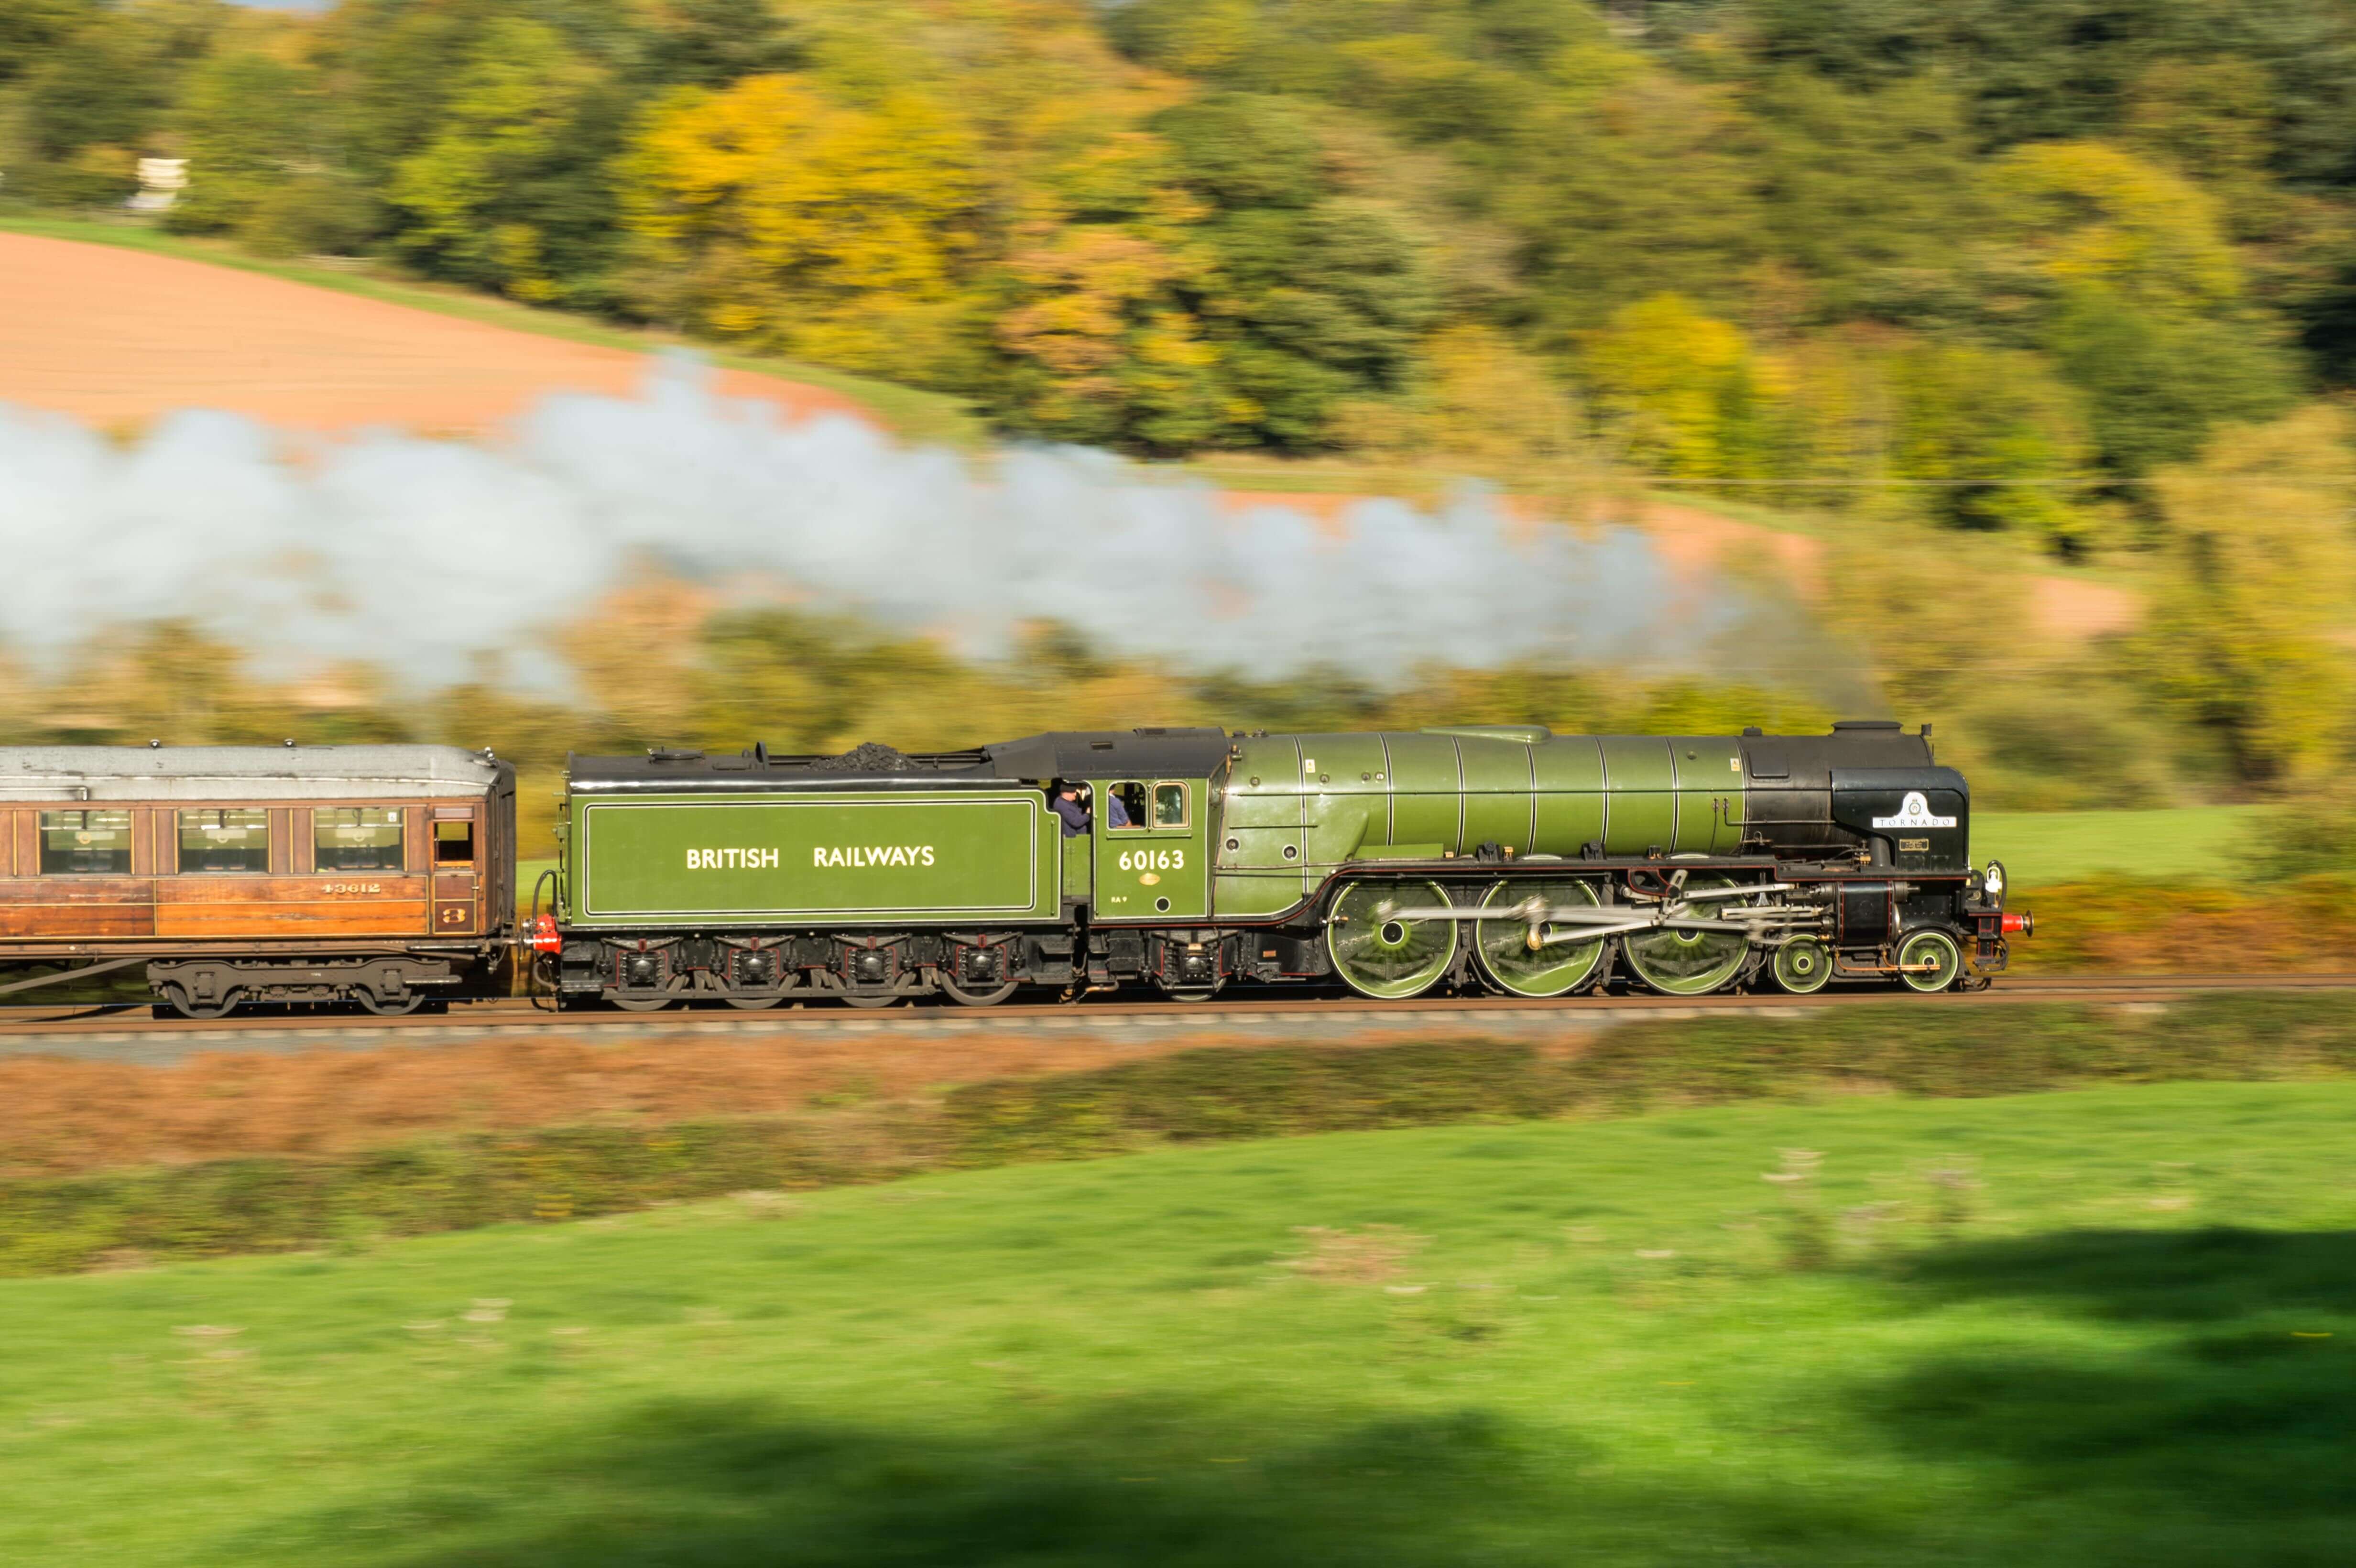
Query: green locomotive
(1503,856)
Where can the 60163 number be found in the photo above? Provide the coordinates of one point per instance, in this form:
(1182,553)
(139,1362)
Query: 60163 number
(1153,860)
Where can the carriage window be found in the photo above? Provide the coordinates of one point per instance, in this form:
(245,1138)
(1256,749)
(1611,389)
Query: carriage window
(356,838)
(235,838)
(1130,800)
(85,841)
(454,843)
(1169,806)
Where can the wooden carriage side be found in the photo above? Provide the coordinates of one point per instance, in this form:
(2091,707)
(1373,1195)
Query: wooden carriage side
(111,850)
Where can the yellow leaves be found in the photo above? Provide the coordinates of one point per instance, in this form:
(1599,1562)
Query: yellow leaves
(516,248)
(1666,374)
(1085,287)
(1493,405)
(826,229)
(2249,633)
(2089,212)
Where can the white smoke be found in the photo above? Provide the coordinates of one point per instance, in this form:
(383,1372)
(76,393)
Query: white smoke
(420,556)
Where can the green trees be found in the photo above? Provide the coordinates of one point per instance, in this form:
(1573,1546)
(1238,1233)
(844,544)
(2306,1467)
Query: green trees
(512,190)
(1976,259)
(1307,298)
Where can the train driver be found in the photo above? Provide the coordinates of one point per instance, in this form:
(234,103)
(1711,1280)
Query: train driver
(1066,805)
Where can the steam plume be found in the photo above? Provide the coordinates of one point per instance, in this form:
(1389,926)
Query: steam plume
(419,555)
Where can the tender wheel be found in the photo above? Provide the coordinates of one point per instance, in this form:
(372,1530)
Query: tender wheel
(1803,966)
(1380,955)
(1200,994)
(853,1000)
(675,991)
(755,1003)
(396,1007)
(178,998)
(1550,968)
(985,996)
(1929,960)
(1690,963)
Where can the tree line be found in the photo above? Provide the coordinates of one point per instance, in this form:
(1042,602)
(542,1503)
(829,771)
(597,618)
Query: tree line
(2081,270)
(2013,253)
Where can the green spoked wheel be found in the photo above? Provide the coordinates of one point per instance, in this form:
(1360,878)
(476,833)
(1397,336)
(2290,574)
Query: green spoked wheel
(1690,963)
(1550,968)
(1802,966)
(1380,955)
(1929,961)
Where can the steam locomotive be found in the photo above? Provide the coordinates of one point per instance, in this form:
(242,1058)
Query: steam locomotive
(1474,857)
(1501,857)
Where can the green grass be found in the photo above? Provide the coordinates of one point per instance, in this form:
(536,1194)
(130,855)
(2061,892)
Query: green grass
(2075,1329)
(2201,843)
(909,411)
(460,1180)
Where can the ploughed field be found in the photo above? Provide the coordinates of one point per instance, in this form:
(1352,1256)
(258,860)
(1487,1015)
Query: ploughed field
(117,337)
(2104,1327)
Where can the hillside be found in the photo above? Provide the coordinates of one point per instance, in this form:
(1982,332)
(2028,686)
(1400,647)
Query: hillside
(1944,288)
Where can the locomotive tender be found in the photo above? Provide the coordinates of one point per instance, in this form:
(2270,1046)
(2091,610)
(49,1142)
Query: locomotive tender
(1504,855)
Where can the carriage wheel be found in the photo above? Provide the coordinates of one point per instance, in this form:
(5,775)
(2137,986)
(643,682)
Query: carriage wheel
(1550,969)
(177,997)
(393,1007)
(1929,961)
(1690,963)
(1380,955)
(1803,966)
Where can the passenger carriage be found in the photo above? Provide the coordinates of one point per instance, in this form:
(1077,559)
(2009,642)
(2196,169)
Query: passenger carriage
(379,875)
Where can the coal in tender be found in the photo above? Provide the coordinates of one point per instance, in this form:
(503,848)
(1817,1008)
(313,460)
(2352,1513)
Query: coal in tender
(867,757)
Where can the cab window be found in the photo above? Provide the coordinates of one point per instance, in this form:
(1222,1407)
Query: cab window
(356,838)
(1124,806)
(86,842)
(235,838)
(1169,806)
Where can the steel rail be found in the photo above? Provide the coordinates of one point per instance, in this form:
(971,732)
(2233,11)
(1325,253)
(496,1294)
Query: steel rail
(515,1016)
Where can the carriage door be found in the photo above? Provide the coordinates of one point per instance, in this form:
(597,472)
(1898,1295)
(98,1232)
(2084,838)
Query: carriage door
(458,849)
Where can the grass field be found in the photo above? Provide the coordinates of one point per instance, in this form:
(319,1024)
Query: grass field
(2111,1327)
(911,412)
(2198,843)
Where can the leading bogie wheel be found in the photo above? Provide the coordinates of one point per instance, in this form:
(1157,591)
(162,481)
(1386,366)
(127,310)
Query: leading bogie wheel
(1526,958)
(1929,960)
(1382,951)
(1802,966)
(1690,963)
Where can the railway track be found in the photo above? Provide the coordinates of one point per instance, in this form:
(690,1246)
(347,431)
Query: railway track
(126,1032)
